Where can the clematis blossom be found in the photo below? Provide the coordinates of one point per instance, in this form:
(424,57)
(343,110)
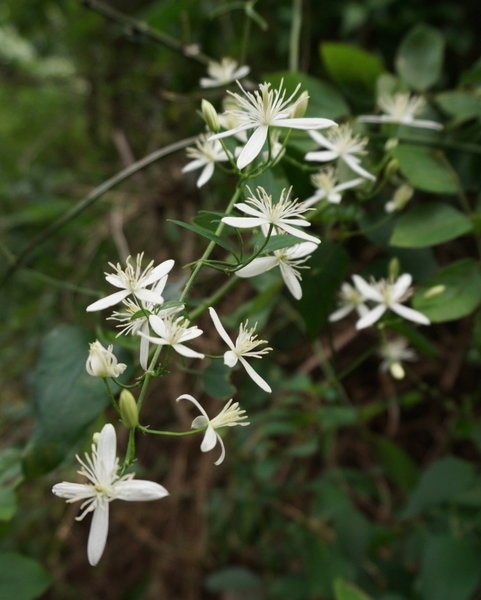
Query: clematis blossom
(174,331)
(223,72)
(327,187)
(205,155)
(102,362)
(401,108)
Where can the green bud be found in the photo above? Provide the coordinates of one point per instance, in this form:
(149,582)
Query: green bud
(394,268)
(301,106)
(435,290)
(390,144)
(210,116)
(128,409)
(391,168)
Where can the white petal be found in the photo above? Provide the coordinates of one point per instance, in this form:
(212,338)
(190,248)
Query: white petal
(354,164)
(425,124)
(242,222)
(374,119)
(194,402)
(220,328)
(340,313)
(194,164)
(334,198)
(299,233)
(320,139)
(257,266)
(139,490)
(291,281)
(256,378)
(188,352)
(71,490)
(107,452)
(321,155)
(157,325)
(191,334)
(241,72)
(108,301)
(144,348)
(349,184)
(249,210)
(314,199)
(368,291)
(230,358)
(410,314)
(115,281)
(301,250)
(253,147)
(230,132)
(160,271)
(209,440)
(222,453)
(206,174)
(401,286)
(305,123)
(371,317)
(149,296)
(99,529)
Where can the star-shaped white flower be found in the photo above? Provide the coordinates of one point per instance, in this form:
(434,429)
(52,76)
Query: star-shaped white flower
(205,154)
(387,294)
(104,485)
(341,145)
(245,345)
(328,188)
(349,299)
(133,280)
(230,416)
(401,108)
(223,72)
(394,352)
(102,362)
(174,331)
(288,260)
(284,216)
(262,109)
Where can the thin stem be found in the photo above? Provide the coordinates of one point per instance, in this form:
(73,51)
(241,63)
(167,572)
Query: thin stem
(214,299)
(64,285)
(256,254)
(169,433)
(141,28)
(295,36)
(462,147)
(94,195)
(111,396)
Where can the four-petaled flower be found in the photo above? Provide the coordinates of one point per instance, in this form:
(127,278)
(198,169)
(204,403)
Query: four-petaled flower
(223,72)
(328,188)
(102,362)
(401,108)
(288,260)
(393,352)
(284,216)
(262,109)
(230,416)
(341,145)
(205,154)
(134,280)
(387,293)
(245,345)
(105,485)
(174,331)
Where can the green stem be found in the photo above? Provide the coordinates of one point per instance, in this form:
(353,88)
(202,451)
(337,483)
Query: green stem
(169,433)
(214,299)
(463,147)
(64,285)
(111,396)
(295,36)
(130,452)
(256,254)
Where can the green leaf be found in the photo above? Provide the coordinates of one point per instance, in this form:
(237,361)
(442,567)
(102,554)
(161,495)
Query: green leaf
(450,569)
(21,578)
(461,105)
(429,224)
(8,504)
(215,380)
(426,169)
(441,482)
(353,69)
(207,234)
(398,466)
(233,578)
(420,57)
(348,591)
(10,465)
(459,295)
(66,399)
(276,242)
(324,100)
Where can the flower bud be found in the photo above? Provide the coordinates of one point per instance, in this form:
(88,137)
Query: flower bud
(300,106)
(396,370)
(392,168)
(433,291)
(394,268)
(128,409)
(210,116)
(390,144)
(102,362)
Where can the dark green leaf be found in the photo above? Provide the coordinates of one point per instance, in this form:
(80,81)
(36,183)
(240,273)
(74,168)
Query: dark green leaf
(276,242)
(348,591)
(426,169)
(207,234)
(420,57)
(398,465)
(215,380)
(461,105)
(8,503)
(21,578)
(233,579)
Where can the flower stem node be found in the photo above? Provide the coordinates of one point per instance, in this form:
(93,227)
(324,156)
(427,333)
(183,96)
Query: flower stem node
(102,362)
(128,409)
(210,116)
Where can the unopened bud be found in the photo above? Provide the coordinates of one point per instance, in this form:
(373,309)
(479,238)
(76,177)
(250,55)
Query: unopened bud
(301,106)
(210,116)
(394,268)
(128,409)
(433,291)
(391,168)
(397,370)
(402,195)
(390,144)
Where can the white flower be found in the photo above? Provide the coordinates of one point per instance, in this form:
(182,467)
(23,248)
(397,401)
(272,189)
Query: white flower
(286,215)
(262,109)
(341,145)
(230,416)
(204,155)
(105,485)
(174,331)
(223,72)
(327,187)
(287,259)
(400,198)
(387,294)
(102,362)
(401,108)
(133,280)
(349,299)
(245,345)
(393,352)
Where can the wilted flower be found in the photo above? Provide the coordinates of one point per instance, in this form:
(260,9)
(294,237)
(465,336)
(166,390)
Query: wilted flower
(393,352)
(223,72)
(401,108)
(133,280)
(387,293)
(102,362)
(174,331)
(101,470)
(230,416)
(245,345)
(341,145)
(262,109)
(327,187)
(286,215)
(349,299)
(288,260)
(205,154)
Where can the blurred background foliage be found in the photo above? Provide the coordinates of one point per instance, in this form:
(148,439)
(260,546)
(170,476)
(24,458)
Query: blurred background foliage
(336,488)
